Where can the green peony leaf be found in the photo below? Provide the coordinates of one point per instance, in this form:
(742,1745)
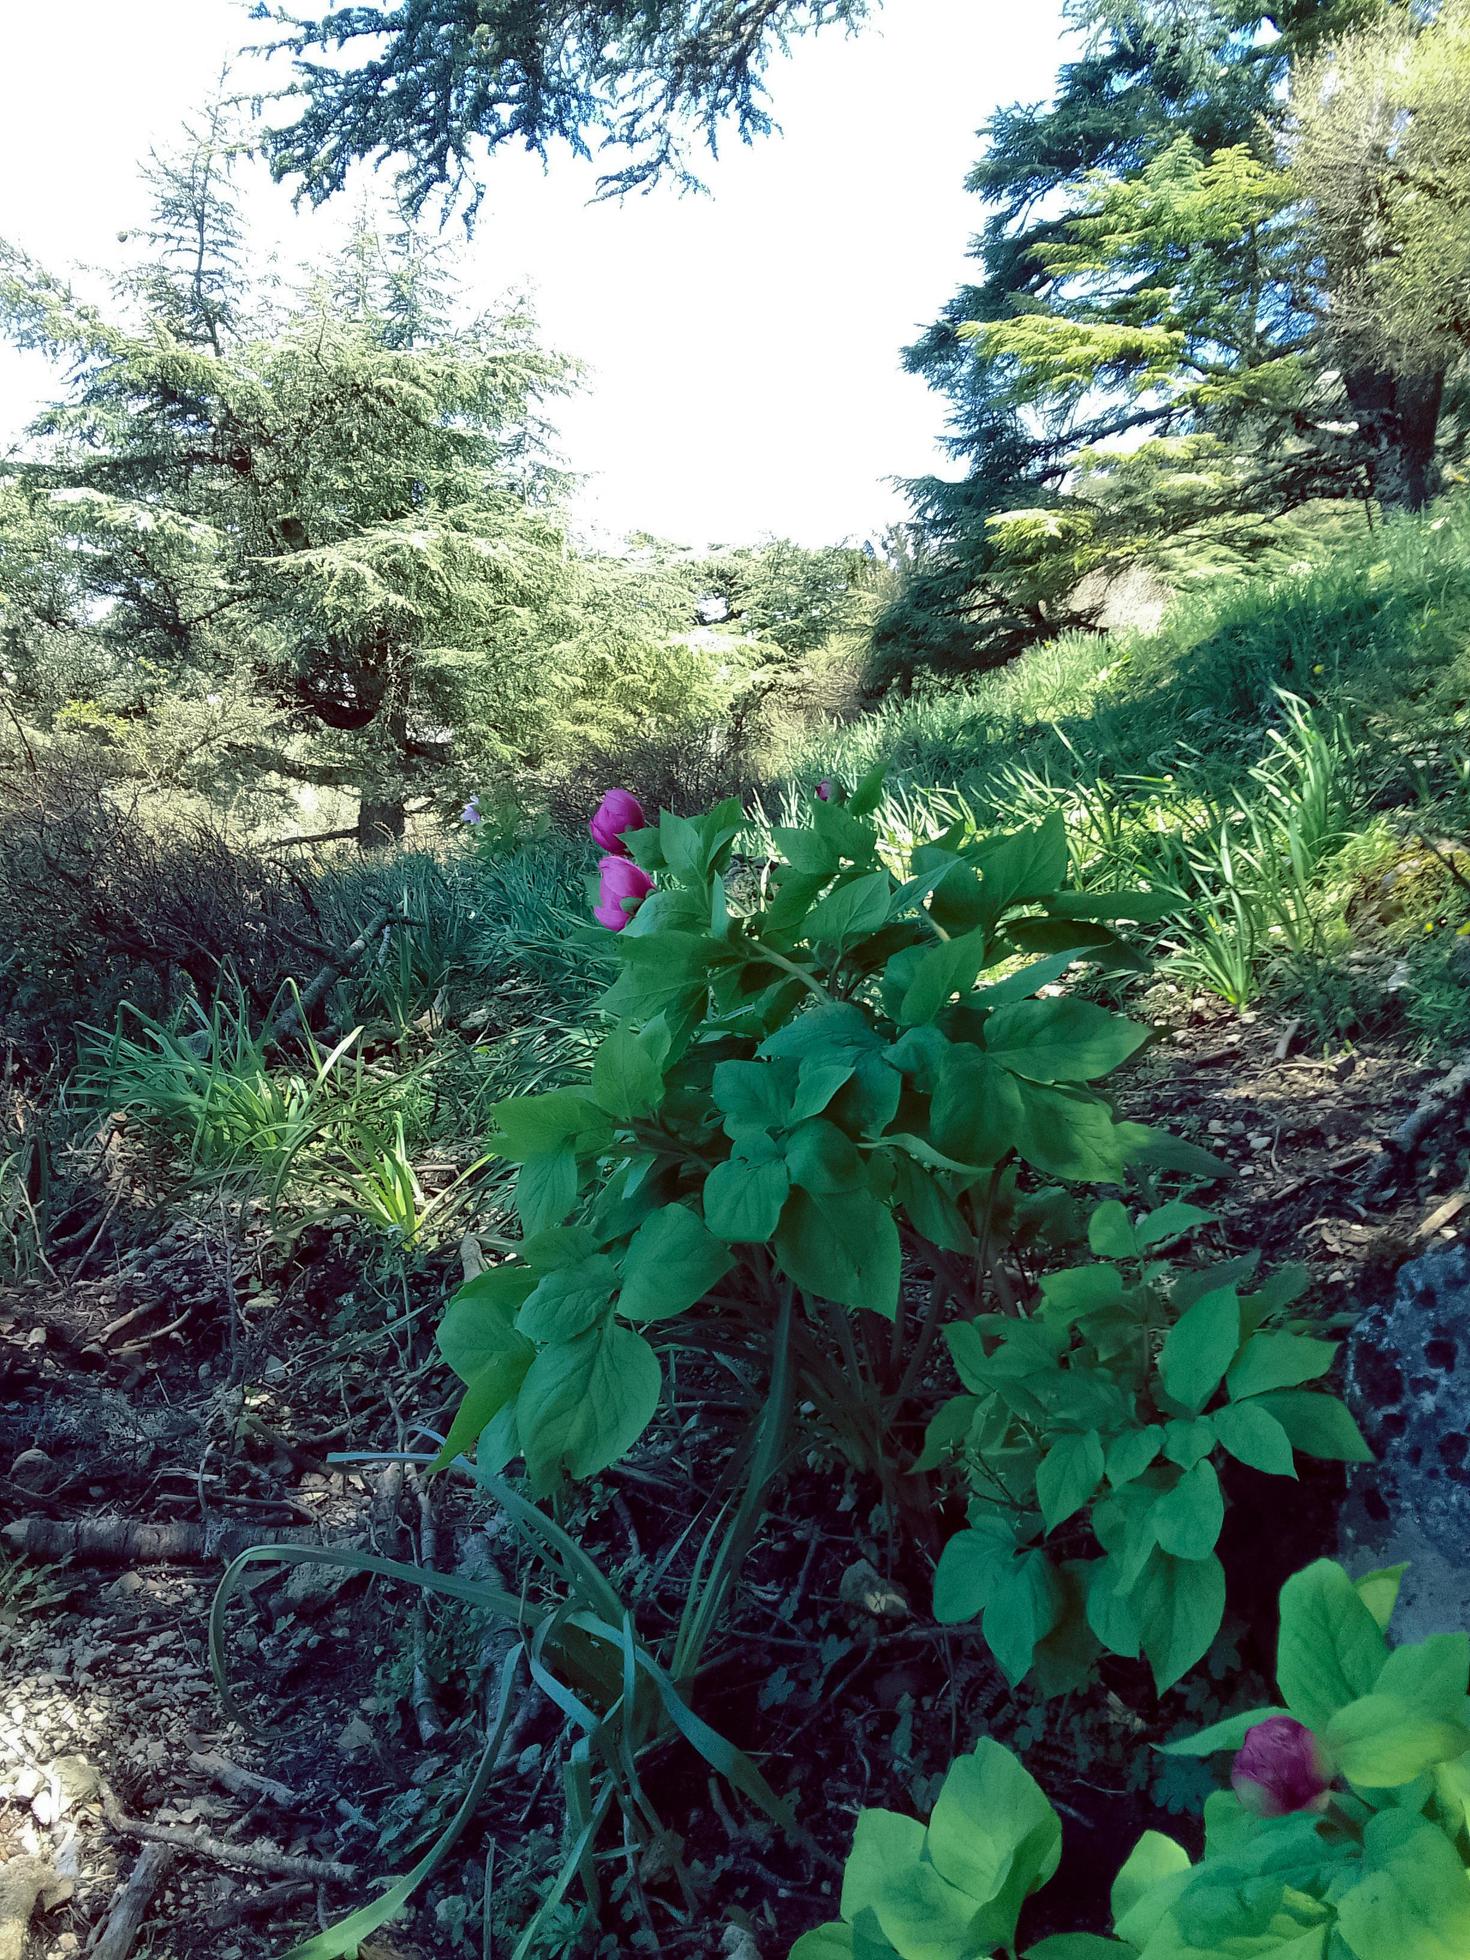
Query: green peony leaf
(672,1261)
(1200,1347)
(584,1403)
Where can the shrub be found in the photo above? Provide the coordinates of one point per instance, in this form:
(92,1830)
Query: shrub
(104,907)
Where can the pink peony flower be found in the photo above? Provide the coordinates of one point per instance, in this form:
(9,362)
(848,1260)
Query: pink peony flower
(618,812)
(825,789)
(1281,1767)
(624,888)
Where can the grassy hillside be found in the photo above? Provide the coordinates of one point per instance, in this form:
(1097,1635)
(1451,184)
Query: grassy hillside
(1289,753)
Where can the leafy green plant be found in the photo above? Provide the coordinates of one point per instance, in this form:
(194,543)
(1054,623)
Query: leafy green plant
(796,1093)
(1344,1837)
(1113,1403)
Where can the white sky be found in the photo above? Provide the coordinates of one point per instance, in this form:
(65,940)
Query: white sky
(743,347)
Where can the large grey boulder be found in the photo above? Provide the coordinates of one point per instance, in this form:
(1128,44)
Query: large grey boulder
(1408,1383)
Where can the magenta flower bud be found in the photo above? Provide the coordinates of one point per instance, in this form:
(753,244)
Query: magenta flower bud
(624,888)
(1281,1767)
(825,789)
(617,813)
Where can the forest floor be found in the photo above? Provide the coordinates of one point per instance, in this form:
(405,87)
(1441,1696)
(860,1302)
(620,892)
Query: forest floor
(162,1406)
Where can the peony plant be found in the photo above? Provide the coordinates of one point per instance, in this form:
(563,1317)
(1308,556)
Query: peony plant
(1344,1835)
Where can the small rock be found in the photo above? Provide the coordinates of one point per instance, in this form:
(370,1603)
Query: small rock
(355,1737)
(864,1587)
(33,1470)
(1408,1382)
(68,1780)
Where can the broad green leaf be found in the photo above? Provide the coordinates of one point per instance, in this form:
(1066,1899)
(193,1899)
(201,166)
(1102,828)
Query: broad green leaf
(884,1846)
(1188,1518)
(1111,1613)
(832,1942)
(1253,1436)
(743,1197)
(1413,1900)
(923,1917)
(824,1160)
(976,1114)
(950,968)
(947,1428)
(1024,1607)
(1067,1476)
(479,1341)
(1110,1231)
(1380,1742)
(1278,1361)
(1023,983)
(478,1323)
(1180,1603)
(672,1261)
(851,911)
(1200,1347)
(1431,1675)
(536,1126)
(1170,1221)
(754,1095)
(1229,1734)
(1379,1591)
(1080,1289)
(1152,1860)
(663,973)
(1185,1442)
(843,1248)
(1330,1651)
(1317,1424)
(584,1403)
(1138,908)
(994,1835)
(1061,1040)
(971,1566)
(568,1300)
(628,1071)
(1130,1454)
(1070,1133)
(1024,866)
(817,1083)
(546,1189)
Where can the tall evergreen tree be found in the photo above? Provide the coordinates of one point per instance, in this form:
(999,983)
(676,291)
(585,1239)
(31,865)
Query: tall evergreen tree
(347,518)
(428,81)
(1145,316)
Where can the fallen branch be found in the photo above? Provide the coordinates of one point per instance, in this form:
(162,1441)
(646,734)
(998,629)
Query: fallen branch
(131,1902)
(299,1010)
(126,1541)
(252,1905)
(22,1880)
(243,1782)
(203,1844)
(1399,1150)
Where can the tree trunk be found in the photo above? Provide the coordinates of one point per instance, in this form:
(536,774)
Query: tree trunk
(382,815)
(380,822)
(1398,421)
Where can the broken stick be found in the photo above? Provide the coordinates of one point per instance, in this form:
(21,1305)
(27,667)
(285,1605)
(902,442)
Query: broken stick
(131,1903)
(203,1844)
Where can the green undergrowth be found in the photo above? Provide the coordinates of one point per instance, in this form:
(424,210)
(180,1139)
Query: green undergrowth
(1290,755)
